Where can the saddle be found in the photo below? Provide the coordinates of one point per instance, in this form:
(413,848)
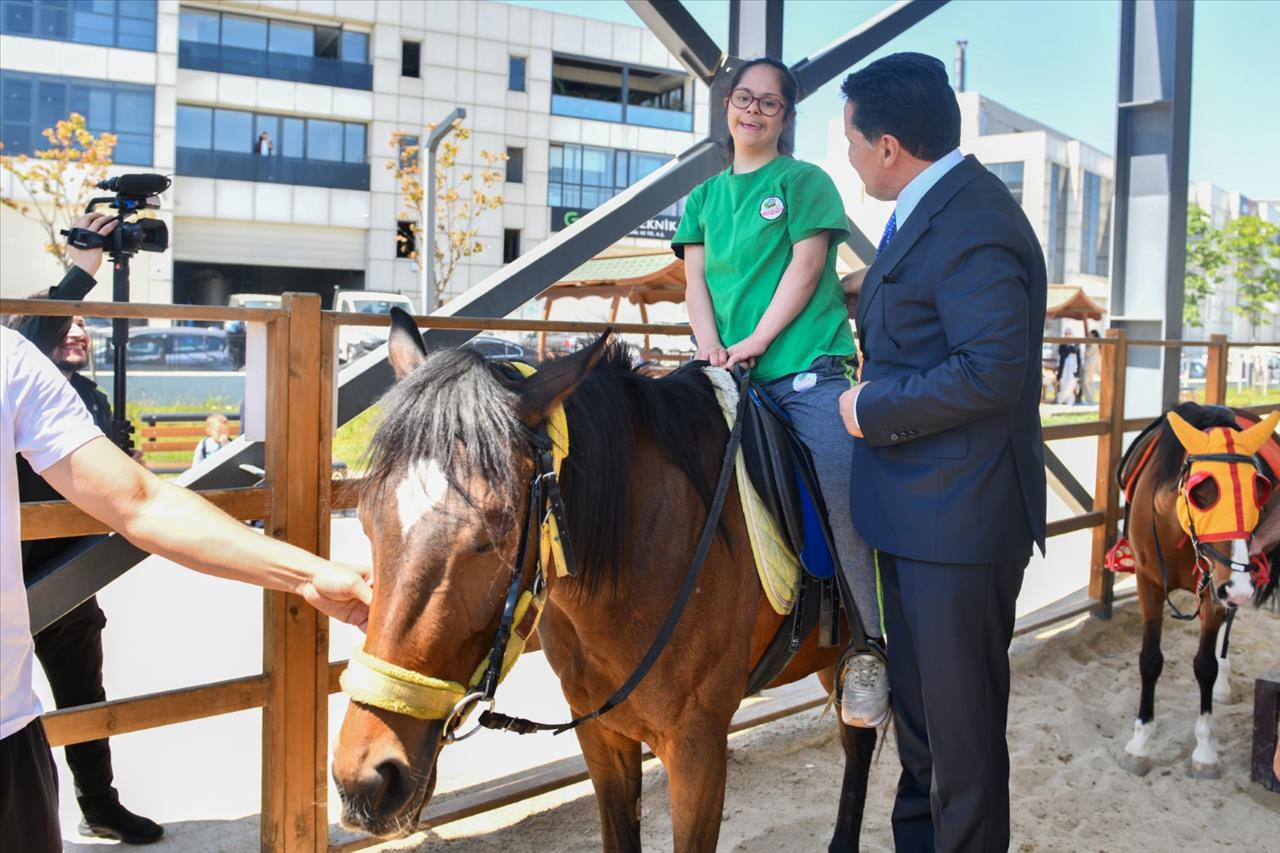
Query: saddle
(781,470)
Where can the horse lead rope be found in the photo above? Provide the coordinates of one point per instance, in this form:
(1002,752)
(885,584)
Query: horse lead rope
(502,722)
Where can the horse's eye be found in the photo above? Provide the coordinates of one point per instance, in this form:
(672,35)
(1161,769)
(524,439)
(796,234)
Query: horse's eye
(484,547)
(1261,490)
(1202,491)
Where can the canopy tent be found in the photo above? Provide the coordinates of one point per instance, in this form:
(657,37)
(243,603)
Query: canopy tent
(641,276)
(1069,302)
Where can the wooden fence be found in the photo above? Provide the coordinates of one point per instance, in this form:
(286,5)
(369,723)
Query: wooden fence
(299,497)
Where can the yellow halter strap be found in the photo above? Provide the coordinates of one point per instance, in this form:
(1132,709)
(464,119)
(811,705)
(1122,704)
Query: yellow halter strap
(373,681)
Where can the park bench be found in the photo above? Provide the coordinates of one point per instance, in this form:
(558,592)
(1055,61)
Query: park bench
(175,432)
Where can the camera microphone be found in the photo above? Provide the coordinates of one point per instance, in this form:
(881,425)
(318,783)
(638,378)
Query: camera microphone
(136,186)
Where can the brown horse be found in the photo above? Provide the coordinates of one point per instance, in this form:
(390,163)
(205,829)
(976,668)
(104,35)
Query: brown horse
(1193,508)
(450,468)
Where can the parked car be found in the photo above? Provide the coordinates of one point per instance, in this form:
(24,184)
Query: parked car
(183,348)
(500,349)
(355,341)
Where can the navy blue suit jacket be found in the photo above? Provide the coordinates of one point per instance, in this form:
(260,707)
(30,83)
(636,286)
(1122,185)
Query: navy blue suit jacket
(950,323)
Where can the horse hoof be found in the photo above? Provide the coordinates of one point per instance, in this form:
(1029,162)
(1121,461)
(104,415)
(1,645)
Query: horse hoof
(1138,765)
(1205,771)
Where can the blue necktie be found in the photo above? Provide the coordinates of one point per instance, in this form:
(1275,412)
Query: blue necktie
(890,228)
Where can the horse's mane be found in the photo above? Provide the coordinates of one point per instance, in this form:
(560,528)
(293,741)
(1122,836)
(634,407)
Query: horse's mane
(460,410)
(607,414)
(1169,453)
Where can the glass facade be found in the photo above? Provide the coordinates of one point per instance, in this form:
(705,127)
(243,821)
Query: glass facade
(281,50)
(606,91)
(218,143)
(515,73)
(1095,228)
(111,23)
(585,177)
(1059,192)
(1011,175)
(33,102)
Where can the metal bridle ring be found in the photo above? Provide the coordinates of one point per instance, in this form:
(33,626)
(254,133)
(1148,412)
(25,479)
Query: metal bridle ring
(461,711)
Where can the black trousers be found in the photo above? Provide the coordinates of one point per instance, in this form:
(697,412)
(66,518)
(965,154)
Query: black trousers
(949,627)
(28,792)
(70,650)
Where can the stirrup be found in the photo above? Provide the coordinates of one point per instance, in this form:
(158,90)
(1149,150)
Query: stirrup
(1120,558)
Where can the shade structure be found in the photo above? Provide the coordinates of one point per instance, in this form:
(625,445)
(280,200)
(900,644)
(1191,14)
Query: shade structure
(1068,302)
(642,276)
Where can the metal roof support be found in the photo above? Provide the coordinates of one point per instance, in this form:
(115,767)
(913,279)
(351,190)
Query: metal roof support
(1153,132)
(755,28)
(361,383)
(671,22)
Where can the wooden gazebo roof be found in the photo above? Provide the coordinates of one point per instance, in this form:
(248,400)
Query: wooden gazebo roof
(642,276)
(1069,302)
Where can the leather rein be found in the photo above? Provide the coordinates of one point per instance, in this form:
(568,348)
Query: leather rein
(390,687)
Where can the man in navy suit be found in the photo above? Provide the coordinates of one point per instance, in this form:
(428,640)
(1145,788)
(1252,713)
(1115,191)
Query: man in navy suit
(948,477)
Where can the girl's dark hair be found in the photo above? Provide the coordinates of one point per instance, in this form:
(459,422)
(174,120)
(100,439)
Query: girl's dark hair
(790,91)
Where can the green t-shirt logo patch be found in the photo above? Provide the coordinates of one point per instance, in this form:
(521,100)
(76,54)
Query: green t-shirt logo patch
(771,208)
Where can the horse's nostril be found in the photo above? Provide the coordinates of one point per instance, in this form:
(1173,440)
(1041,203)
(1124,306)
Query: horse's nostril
(1222,592)
(393,787)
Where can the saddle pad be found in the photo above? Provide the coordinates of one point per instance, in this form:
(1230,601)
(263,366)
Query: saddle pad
(777,566)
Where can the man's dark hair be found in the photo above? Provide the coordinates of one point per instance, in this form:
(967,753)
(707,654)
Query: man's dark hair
(907,96)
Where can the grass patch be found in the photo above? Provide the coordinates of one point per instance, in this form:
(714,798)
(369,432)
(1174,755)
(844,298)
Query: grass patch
(1252,397)
(135,410)
(352,438)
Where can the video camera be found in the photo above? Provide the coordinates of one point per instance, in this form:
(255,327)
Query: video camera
(133,193)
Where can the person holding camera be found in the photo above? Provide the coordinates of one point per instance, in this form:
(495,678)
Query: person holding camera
(46,421)
(70,650)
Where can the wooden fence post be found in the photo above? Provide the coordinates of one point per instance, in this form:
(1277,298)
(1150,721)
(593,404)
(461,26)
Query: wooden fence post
(1106,495)
(1215,374)
(295,637)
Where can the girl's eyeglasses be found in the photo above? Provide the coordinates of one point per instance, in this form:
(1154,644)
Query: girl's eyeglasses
(770,105)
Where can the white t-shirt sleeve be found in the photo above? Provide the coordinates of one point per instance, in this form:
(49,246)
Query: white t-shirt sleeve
(49,418)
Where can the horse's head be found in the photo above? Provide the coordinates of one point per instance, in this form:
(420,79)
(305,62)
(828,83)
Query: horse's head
(1221,493)
(450,467)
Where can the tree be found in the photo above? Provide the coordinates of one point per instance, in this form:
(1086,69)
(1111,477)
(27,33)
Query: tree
(58,181)
(1252,249)
(1205,260)
(459,201)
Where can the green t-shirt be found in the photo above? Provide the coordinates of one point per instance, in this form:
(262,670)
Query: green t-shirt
(747,225)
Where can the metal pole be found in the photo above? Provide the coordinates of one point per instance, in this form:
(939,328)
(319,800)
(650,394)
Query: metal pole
(427,251)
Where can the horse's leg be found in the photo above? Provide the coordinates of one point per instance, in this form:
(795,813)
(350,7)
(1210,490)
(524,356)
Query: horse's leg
(859,748)
(613,762)
(696,763)
(1204,761)
(1222,684)
(1137,752)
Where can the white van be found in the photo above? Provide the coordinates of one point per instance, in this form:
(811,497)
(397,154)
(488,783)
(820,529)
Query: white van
(355,341)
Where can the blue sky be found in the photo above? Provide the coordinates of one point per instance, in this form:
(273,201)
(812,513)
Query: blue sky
(1055,61)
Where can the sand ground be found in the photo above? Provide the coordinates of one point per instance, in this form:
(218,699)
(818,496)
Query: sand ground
(1074,698)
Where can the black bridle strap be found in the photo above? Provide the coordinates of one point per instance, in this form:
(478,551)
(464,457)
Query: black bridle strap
(1164,573)
(502,722)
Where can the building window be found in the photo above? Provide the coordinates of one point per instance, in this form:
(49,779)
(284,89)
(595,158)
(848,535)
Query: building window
(405,242)
(112,23)
(407,151)
(1095,226)
(1059,192)
(606,91)
(515,73)
(1011,175)
(240,145)
(515,165)
(410,58)
(33,102)
(510,244)
(281,50)
(583,178)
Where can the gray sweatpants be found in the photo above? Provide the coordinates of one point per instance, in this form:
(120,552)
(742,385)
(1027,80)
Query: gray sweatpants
(811,399)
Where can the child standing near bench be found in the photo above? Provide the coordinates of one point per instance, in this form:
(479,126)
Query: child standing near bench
(215,437)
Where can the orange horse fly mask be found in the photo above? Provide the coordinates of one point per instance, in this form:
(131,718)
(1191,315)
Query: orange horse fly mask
(1222,489)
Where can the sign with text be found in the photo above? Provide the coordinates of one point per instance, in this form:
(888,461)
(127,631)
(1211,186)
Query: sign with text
(660,227)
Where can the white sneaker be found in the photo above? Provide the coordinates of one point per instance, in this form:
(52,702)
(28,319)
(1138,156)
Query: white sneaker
(864,699)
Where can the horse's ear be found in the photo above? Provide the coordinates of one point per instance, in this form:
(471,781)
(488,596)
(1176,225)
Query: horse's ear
(1188,436)
(405,348)
(545,391)
(1252,439)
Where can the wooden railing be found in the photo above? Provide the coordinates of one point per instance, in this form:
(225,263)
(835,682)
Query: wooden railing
(300,496)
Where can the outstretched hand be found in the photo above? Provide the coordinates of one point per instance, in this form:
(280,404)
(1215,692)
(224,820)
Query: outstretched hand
(341,591)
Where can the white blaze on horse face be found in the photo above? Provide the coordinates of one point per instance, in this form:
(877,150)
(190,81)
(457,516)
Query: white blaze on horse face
(421,491)
(1139,745)
(1240,587)
(1206,751)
